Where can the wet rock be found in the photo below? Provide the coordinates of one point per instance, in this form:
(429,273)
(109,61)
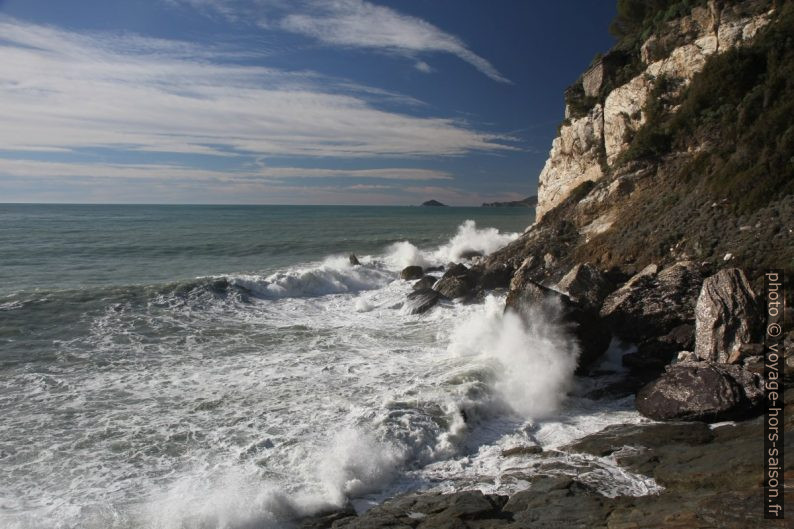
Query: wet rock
(653,303)
(613,438)
(353,259)
(701,391)
(410,273)
(495,276)
(457,282)
(420,301)
(651,358)
(522,451)
(425,283)
(591,334)
(557,502)
(470,254)
(727,316)
(326,517)
(587,285)
(433,511)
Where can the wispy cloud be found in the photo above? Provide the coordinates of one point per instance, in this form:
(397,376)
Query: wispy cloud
(170,172)
(352,23)
(423,67)
(63,90)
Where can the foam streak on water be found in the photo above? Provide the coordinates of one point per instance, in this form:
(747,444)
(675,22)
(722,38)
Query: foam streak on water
(241,401)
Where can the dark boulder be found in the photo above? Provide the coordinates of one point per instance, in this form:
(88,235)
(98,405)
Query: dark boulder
(701,391)
(470,254)
(425,283)
(591,334)
(458,282)
(587,285)
(727,316)
(353,259)
(410,273)
(495,276)
(653,303)
(420,301)
(650,359)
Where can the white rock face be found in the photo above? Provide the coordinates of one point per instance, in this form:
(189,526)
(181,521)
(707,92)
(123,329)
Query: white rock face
(574,158)
(575,153)
(623,114)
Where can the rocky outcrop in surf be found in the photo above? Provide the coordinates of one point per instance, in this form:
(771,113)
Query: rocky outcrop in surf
(656,217)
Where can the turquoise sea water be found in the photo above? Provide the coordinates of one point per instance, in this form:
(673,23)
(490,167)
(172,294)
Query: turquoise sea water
(213,367)
(79,246)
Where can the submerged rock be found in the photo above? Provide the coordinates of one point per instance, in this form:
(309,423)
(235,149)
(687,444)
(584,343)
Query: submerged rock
(470,254)
(727,316)
(653,303)
(353,259)
(701,391)
(410,273)
(425,283)
(420,301)
(457,282)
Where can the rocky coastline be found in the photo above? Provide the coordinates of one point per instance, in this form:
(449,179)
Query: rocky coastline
(630,246)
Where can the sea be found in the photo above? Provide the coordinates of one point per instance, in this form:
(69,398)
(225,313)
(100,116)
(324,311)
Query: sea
(207,367)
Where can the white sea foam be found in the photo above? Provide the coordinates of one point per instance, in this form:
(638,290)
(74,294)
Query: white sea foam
(470,238)
(402,254)
(534,361)
(317,390)
(334,275)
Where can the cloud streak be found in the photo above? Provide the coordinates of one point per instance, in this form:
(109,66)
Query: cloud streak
(37,168)
(62,90)
(352,24)
(361,24)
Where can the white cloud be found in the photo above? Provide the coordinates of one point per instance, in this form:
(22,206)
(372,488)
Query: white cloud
(62,90)
(166,172)
(423,67)
(362,24)
(351,23)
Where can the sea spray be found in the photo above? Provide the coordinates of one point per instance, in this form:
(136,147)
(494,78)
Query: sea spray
(469,238)
(242,400)
(403,253)
(355,462)
(534,358)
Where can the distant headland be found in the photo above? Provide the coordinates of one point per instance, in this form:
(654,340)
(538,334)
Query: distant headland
(433,203)
(529,202)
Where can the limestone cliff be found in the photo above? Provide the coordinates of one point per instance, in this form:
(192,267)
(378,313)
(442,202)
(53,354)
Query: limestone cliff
(677,147)
(589,145)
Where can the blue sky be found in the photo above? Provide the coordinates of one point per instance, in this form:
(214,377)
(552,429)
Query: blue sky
(285,101)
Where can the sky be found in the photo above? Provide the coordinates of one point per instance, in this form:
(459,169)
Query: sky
(286,101)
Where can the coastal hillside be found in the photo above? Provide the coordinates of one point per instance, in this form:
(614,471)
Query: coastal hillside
(677,145)
(666,195)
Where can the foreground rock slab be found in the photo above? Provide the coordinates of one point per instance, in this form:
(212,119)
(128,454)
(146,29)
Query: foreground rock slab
(701,391)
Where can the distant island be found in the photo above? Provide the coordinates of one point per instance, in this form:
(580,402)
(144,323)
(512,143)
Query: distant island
(529,202)
(433,203)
